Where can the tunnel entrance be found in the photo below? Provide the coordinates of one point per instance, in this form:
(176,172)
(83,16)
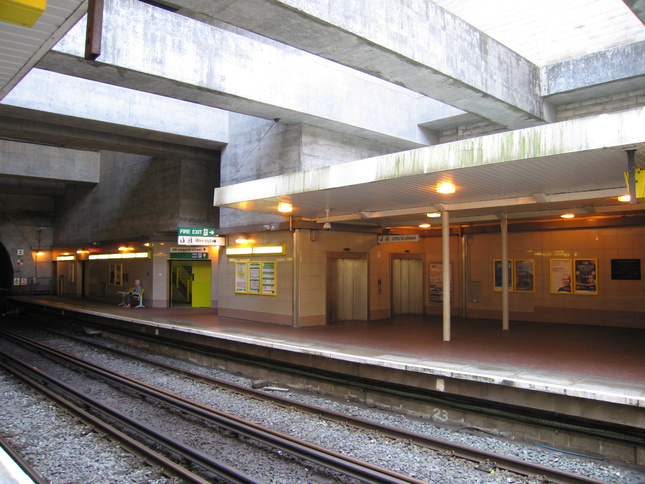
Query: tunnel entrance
(6,275)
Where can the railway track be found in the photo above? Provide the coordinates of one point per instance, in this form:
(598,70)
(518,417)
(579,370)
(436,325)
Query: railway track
(608,433)
(357,470)
(209,465)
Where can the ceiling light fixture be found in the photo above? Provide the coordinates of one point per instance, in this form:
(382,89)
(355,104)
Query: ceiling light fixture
(567,215)
(285,207)
(425,226)
(624,198)
(445,187)
(433,215)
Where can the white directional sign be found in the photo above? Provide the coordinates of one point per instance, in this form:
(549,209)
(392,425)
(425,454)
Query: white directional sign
(187,240)
(199,236)
(398,238)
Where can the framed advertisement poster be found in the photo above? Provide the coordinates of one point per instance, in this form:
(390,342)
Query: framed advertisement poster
(116,270)
(241,283)
(497,275)
(524,275)
(560,280)
(435,282)
(586,277)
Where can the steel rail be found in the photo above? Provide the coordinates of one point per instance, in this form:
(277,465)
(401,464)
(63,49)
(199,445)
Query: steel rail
(609,432)
(459,450)
(128,442)
(305,450)
(26,467)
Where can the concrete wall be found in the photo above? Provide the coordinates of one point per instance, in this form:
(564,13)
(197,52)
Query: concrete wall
(618,303)
(260,149)
(26,223)
(137,196)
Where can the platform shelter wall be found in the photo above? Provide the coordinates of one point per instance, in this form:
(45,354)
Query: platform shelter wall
(614,302)
(617,302)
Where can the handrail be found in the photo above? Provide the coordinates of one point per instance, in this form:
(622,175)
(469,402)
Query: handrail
(185,278)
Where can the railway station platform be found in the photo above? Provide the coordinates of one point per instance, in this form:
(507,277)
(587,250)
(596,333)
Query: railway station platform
(586,371)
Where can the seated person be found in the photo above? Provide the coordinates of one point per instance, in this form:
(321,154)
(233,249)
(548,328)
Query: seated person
(135,290)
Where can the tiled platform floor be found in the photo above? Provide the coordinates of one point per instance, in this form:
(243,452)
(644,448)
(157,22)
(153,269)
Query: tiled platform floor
(614,353)
(567,359)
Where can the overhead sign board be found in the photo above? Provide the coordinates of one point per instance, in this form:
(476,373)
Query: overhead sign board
(189,252)
(199,236)
(197,231)
(189,240)
(398,238)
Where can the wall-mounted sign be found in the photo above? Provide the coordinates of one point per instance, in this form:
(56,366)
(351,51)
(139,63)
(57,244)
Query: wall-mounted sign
(196,231)
(194,253)
(382,239)
(189,255)
(199,236)
(626,269)
(190,240)
(255,277)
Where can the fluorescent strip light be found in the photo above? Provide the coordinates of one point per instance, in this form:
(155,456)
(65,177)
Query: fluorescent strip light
(239,251)
(129,255)
(270,249)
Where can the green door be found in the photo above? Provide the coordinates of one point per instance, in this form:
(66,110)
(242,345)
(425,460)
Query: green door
(201,284)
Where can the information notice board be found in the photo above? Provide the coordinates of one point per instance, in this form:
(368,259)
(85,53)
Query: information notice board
(256,277)
(269,278)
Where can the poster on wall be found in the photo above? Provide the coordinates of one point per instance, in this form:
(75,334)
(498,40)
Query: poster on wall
(116,270)
(586,278)
(524,275)
(497,274)
(435,282)
(560,276)
(254,278)
(269,278)
(240,278)
(625,269)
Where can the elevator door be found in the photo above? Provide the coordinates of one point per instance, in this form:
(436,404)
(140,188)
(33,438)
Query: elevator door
(407,286)
(349,290)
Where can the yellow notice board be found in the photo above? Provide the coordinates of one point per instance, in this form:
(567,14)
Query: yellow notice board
(269,278)
(256,277)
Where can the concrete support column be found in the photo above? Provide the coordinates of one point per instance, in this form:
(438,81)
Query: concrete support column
(296,283)
(505,281)
(445,238)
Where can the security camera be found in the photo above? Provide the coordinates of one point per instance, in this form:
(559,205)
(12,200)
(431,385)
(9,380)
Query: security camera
(327,226)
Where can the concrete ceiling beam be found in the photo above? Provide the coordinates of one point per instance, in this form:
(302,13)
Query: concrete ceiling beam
(485,78)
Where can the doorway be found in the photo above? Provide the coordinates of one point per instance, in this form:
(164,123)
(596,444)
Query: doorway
(190,284)
(407,286)
(348,289)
